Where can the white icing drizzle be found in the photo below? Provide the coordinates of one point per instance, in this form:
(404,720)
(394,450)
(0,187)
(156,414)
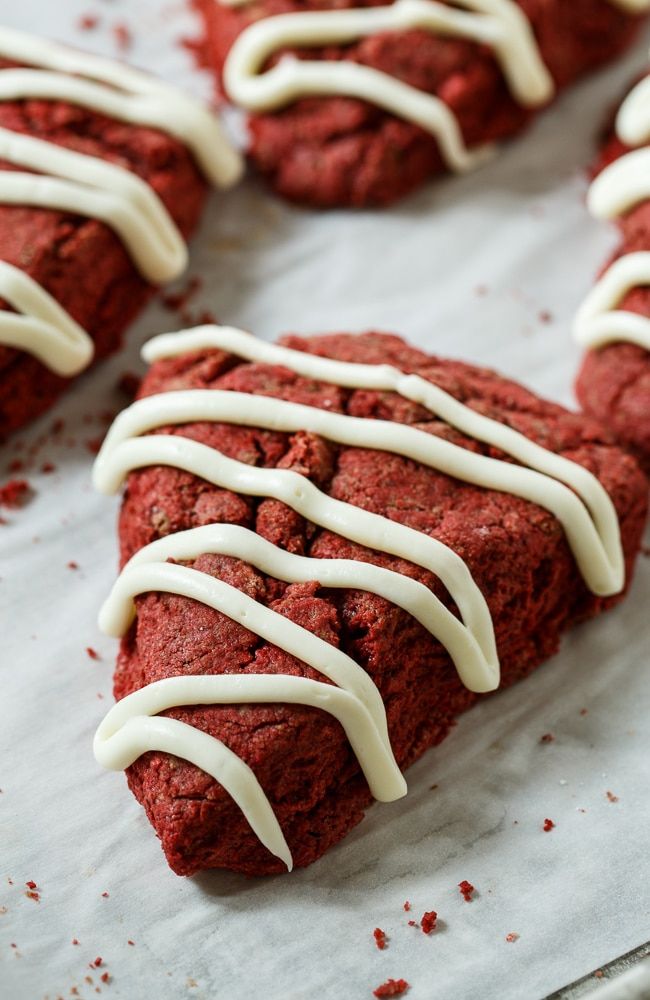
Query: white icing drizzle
(86,185)
(500,24)
(617,189)
(40,322)
(598,321)
(127,734)
(629,6)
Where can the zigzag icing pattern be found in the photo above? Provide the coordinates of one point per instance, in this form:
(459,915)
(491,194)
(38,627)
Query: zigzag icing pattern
(501,24)
(58,178)
(622,185)
(583,508)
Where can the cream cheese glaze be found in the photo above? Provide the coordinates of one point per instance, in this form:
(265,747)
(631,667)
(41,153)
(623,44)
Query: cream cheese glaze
(501,24)
(569,491)
(617,189)
(58,178)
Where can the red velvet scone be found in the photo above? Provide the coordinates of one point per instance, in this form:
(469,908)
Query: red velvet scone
(358,103)
(324,562)
(614,321)
(103,173)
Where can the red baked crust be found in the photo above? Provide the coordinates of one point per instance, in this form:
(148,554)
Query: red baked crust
(341,151)
(80,261)
(613,383)
(516,551)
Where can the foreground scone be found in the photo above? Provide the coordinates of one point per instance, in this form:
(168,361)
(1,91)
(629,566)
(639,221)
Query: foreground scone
(359,103)
(613,323)
(104,171)
(329,549)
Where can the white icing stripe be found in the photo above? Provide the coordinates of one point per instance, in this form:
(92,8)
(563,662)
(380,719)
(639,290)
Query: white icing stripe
(498,23)
(593,531)
(377,763)
(136,97)
(618,188)
(621,185)
(40,325)
(117,746)
(601,570)
(596,544)
(85,185)
(633,118)
(240,543)
(598,322)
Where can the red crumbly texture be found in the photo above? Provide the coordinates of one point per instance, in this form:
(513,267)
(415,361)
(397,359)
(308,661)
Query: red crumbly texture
(516,552)
(548,825)
(329,151)
(466,890)
(380,938)
(14,493)
(613,383)
(78,260)
(391,988)
(428,922)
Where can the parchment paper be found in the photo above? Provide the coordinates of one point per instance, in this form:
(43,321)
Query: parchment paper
(489,268)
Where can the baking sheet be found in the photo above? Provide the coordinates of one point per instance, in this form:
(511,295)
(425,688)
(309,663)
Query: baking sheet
(488,268)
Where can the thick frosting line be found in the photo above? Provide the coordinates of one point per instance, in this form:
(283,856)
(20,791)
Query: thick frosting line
(600,556)
(598,321)
(134,97)
(240,543)
(498,23)
(40,325)
(118,748)
(633,118)
(621,185)
(263,621)
(364,527)
(87,186)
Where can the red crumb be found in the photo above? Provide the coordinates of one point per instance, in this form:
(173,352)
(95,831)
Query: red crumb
(545,316)
(88,22)
(611,796)
(73,565)
(98,961)
(75,941)
(548,825)
(428,922)
(105,895)
(33,895)
(16,465)
(407,906)
(122,36)
(466,890)
(14,493)
(391,988)
(31,884)
(599,973)
(94,444)
(132,943)
(584,711)
(92,653)
(413,923)
(105,977)
(128,384)
(48,467)
(511,937)
(547,738)
(380,938)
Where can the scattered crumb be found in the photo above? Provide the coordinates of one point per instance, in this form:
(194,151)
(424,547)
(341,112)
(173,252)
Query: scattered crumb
(88,22)
(548,825)
(123,37)
(14,493)
(92,653)
(380,938)
(512,937)
(547,738)
(466,890)
(73,565)
(47,468)
(611,797)
(407,906)
(545,316)
(428,922)
(584,711)
(391,988)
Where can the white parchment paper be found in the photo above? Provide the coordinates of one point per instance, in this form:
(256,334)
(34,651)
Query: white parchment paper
(488,268)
